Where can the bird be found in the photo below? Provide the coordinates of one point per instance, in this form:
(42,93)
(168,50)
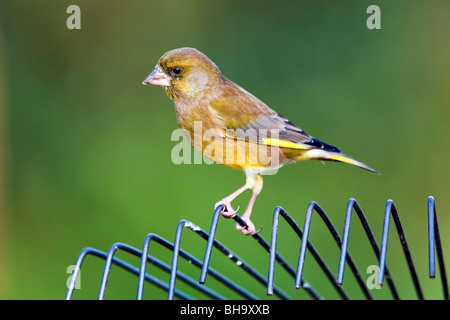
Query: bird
(233,128)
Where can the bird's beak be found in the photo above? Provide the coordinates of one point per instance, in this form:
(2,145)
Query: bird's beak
(157,78)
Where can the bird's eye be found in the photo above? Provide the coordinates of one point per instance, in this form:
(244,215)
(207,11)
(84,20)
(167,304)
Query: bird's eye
(177,70)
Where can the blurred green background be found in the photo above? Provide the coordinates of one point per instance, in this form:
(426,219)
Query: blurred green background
(85,148)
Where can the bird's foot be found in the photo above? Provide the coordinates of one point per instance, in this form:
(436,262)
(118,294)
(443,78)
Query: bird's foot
(227,212)
(250,230)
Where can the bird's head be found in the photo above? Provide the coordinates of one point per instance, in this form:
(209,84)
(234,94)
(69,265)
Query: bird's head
(185,74)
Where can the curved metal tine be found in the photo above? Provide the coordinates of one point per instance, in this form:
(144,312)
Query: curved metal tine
(186,279)
(144,258)
(176,254)
(434,239)
(313,206)
(106,270)
(121,264)
(349,259)
(77,268)
(159,264)
(212,242)
(273,250)
(353,204)
(143,267)
(376,249)
(274,256)
(280,260)
(391,210)
(184,255)
(431,239)
(232,256)
(109,260)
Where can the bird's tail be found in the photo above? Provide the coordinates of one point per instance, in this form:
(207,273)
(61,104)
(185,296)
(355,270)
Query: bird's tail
(344,158)
(334,156)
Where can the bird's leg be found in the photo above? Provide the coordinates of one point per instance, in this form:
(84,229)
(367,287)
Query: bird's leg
(250,230)
(229,212)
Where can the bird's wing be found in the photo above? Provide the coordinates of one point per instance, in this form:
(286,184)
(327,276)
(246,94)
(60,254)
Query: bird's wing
(244,117)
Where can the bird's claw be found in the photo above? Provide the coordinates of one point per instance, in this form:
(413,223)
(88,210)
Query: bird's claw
(249,230)
(228,212)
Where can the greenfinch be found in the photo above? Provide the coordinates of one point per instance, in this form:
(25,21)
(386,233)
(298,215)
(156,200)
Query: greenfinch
(247,135)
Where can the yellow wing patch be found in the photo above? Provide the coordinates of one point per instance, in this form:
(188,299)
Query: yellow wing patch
(279,143)
(285,144)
